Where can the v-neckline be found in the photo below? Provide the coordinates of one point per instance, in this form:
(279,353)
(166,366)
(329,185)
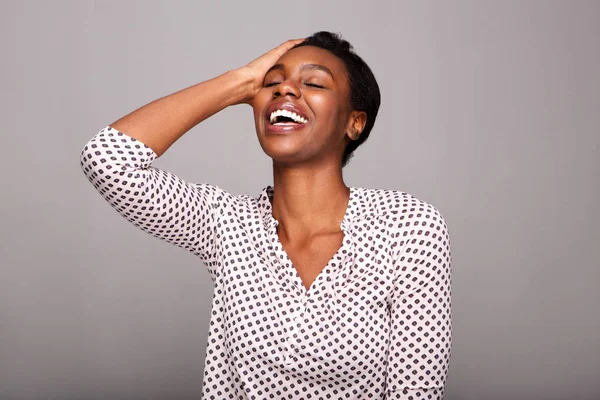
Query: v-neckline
(322,273)
(283,257)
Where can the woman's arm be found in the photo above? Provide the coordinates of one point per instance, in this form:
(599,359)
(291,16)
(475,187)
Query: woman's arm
(421,326)
(156,201)
(118,160)
(160,123)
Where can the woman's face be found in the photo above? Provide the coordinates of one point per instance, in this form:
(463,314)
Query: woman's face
(303,114)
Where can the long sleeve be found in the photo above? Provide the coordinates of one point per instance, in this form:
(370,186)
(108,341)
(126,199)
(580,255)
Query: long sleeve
(421,328)
(156,201)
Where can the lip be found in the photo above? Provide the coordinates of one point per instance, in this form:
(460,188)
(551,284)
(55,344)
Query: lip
(288,106)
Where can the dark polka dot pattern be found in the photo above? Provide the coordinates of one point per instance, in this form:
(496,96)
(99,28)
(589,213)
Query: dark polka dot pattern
(375,323)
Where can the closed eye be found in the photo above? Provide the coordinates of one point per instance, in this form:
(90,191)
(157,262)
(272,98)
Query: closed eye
(314,85)
(271,84)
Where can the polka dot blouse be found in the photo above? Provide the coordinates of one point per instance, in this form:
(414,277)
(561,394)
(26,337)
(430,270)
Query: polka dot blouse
(374,324)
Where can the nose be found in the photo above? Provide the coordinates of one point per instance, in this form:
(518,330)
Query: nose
(287,87)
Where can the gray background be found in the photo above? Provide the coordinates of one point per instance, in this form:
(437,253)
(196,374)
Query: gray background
(490,111)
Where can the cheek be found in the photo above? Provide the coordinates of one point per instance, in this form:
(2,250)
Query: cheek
(259,102)
(329,108)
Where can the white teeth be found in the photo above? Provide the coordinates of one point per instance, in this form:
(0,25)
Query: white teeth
(289,114)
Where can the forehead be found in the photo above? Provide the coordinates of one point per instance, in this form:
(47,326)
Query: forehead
(299,56)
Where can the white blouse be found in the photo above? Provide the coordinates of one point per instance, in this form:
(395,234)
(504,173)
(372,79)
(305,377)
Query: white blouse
(374,324)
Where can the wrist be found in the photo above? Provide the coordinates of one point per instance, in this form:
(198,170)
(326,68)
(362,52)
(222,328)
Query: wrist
(243,81)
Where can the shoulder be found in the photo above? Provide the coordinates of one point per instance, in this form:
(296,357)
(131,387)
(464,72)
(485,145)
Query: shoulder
(229,203)
(240,206)
(404,213)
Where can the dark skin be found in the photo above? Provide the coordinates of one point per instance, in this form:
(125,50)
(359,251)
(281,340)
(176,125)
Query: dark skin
(310,196)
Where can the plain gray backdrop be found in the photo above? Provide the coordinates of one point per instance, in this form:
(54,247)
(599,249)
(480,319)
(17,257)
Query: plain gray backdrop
(490,111)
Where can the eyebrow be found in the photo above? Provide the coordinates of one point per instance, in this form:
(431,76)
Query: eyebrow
(304,67)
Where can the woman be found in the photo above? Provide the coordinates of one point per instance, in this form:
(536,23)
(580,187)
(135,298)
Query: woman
(322,291)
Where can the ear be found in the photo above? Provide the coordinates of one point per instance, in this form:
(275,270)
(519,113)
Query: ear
(356,124)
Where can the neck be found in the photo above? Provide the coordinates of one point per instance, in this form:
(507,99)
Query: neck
(308,201)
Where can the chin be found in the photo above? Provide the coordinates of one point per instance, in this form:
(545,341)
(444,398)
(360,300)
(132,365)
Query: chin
(283,154)
(282,148)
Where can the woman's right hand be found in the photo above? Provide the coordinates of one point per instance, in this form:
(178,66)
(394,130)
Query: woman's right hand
(256,70)
(161,122)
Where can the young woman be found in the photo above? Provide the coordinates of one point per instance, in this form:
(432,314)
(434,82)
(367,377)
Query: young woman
(322,291)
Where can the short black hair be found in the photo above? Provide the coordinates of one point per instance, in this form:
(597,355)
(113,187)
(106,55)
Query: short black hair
(364,90)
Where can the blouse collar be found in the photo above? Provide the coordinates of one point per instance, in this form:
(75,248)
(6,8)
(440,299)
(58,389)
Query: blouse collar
(356,207)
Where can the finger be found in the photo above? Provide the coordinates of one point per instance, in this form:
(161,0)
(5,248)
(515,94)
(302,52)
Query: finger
(290,43)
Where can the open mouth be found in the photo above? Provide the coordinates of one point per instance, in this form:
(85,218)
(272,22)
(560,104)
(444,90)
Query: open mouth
(285,117)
